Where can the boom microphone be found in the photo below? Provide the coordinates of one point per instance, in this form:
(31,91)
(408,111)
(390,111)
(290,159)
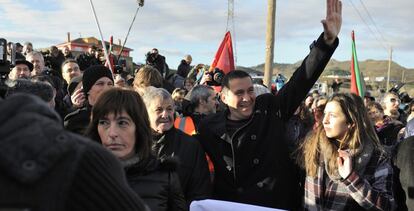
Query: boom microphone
(141,3)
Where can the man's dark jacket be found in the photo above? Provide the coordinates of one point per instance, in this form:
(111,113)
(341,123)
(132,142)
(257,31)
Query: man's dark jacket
(263,172)
(192,168)
(183,69)
(44,167)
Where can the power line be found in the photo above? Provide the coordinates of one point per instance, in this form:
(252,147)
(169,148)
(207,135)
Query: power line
(369,28)
(373,22)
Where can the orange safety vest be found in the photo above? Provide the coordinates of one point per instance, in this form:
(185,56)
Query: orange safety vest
(186,125)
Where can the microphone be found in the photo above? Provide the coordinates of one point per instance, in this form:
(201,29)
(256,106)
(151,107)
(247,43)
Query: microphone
(141,3)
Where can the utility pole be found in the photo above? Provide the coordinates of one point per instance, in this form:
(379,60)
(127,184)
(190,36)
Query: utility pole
(270,42)
(389,70)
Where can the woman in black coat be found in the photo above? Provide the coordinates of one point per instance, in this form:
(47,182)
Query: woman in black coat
(120,123)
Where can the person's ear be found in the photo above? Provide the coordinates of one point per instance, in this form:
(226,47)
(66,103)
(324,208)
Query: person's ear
(223,98)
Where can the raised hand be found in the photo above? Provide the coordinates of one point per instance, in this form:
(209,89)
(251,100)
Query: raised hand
(344,163)
(78,98)
(332,23)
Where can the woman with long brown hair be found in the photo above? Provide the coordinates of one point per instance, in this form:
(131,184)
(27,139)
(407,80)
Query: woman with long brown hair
(346,168)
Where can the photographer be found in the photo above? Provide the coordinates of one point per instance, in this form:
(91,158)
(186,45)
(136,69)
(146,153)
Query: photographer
(158,61)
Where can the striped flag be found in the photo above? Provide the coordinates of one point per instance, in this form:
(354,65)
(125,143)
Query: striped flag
(357,80)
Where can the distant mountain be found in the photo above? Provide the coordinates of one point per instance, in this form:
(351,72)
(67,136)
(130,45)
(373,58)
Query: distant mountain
(370,68)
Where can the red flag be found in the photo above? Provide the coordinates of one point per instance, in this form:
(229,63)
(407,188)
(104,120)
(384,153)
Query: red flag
(357,81)
(224,59)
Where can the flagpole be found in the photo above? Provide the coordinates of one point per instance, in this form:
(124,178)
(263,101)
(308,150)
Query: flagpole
(100,32)
(389,70)
(130,26)
(270,42)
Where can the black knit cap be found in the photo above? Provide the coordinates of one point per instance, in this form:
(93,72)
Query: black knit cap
(92,74)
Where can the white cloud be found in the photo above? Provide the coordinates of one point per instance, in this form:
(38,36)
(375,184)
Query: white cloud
(196,26)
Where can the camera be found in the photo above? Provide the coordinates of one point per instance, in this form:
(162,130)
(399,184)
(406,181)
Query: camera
(216,77)
(151,57)
(5,65)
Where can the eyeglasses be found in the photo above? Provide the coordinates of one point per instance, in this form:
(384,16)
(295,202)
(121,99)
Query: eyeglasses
(393,100)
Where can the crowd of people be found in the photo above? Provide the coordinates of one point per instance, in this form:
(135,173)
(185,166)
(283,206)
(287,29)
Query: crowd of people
(78,136)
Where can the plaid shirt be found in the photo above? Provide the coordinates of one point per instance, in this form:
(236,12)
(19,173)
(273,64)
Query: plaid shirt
(371,191)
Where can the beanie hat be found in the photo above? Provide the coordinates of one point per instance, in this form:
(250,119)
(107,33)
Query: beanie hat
(92,74)
(73,83)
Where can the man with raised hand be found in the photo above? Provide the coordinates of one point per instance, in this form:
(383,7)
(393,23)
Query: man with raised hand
(245,142)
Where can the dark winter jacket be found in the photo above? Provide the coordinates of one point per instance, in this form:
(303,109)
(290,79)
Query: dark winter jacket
(56,62)
(159,63)
(260,170)
(43,167)
(78,120)
(405,163)
(86,60)
(192,168)
(156,183)
(183,69)
(388,134)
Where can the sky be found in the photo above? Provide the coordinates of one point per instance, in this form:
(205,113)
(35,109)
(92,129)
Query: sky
(197,27)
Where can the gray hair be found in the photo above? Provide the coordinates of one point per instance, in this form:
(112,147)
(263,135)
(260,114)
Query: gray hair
(199,92)
(33,54)
(155,93)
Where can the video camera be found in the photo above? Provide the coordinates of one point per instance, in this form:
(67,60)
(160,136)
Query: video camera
(151,57)
(5,65)
(216,77)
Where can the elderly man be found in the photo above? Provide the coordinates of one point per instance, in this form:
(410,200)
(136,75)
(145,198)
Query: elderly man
(22,69)
(36,58)
(168,141)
